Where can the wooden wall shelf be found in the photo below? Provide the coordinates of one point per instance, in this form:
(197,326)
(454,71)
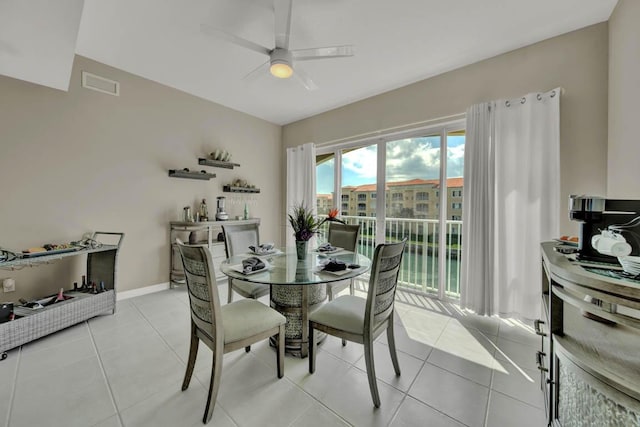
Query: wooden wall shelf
(179,173)
(217,163)
(230,189)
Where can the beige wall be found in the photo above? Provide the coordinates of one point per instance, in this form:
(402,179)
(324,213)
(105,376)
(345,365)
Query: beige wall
(575,61)
(78,161)
(624,101)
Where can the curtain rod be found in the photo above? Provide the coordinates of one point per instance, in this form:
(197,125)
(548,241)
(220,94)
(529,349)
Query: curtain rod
(552,93)
(393,130)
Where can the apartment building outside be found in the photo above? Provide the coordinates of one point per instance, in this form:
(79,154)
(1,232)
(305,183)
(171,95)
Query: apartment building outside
(324,203)
(416,198)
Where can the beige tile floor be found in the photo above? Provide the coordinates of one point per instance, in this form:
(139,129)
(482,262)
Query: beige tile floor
(126,369)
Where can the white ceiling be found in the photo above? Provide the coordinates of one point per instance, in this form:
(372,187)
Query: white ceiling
(38,40)
(396,43)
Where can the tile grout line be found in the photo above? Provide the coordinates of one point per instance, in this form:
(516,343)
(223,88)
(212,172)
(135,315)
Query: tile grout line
(143,317)
(15,385)
(517,400)
(424,362)
(175,353)
(146,319)
(104,374)
(317,399)
(488,405)
(309,394)
(406,393)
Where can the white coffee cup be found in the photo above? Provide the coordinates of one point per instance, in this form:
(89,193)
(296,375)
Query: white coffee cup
(612,244)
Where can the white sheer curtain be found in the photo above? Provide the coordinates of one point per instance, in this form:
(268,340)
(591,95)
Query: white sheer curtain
(514,189)
(301,181)
(476,280)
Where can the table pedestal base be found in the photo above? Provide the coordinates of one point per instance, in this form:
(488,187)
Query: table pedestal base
(295,302)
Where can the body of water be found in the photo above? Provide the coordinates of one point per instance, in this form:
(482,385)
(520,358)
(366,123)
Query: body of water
(419,271)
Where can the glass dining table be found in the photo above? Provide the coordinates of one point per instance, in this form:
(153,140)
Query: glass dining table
(297,287)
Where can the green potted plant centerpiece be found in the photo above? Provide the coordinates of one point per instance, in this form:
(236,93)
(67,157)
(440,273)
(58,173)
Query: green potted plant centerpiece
(305,225)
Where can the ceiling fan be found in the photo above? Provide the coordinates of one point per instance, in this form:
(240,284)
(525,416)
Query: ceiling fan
(281,62)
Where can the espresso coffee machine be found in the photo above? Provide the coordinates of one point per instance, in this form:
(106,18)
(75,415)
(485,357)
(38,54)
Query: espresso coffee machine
(597,214)
(221,215)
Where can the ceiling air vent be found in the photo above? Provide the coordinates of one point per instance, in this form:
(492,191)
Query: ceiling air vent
(101,84)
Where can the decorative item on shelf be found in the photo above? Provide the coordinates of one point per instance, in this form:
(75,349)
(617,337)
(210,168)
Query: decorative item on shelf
(6,311)
(204,212)
(221,155)
(186,173)
(240,186)
(187,217)
(221,215)
(305,225)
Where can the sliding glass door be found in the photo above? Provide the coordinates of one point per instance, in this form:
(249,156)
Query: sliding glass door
(413,207)
(403,186)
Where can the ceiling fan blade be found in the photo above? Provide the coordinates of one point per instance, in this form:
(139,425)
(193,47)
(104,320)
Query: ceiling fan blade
(221,34)
(322,52)
(305,79)
(258,71)
(282,13)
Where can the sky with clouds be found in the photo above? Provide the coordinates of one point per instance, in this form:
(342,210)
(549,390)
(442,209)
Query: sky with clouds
(407,159)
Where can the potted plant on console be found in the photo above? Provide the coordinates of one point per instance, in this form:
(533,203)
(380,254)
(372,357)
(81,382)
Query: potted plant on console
(305,225)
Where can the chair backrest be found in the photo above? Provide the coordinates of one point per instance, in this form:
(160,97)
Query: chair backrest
(344,235)
(204,301)
(382,283)
(238,238)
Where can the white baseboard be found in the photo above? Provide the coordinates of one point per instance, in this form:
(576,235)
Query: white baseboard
(142,291)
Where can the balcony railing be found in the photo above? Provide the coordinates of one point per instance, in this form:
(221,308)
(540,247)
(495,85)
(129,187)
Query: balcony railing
(419,270)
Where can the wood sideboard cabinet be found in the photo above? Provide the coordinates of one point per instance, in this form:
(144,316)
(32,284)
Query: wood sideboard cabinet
(205,233)
(590,369)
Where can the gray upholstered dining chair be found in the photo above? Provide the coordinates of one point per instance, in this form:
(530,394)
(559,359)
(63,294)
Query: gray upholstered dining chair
(223,328)
(356,319)
(343,236)
(237,239)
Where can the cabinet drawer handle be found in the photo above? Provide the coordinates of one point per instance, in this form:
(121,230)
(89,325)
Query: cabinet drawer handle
(536,325)
(539,356)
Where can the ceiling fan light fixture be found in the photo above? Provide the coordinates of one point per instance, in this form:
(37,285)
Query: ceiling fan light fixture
(281,69)
(281,63)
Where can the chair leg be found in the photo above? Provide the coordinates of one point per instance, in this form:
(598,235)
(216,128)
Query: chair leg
(371,372)
(313,348)
(214,385)
(392,345)
(281,352)
(351,291)
(191,363)
(230,291)
(352,287)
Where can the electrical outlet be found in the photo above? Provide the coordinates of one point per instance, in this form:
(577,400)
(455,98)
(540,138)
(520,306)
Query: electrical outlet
(8,285)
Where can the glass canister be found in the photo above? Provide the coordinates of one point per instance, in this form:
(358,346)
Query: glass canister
(187,217)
